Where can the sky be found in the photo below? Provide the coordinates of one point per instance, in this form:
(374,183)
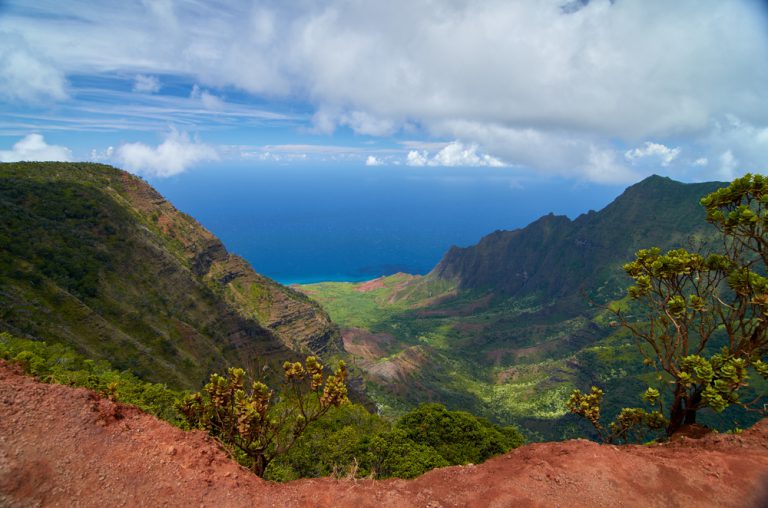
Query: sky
(601,92)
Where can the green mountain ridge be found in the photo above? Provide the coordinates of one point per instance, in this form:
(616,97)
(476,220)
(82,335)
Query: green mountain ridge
(93,257)
(508,327)
(556,257)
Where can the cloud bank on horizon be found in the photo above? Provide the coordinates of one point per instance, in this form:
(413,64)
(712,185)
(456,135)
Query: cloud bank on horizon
(604,91)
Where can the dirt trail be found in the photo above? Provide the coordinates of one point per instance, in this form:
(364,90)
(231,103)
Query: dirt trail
(61,446)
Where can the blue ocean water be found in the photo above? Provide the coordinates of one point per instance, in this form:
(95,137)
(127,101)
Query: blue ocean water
(305,223)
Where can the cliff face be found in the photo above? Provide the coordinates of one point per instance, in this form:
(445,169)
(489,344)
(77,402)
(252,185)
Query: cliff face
(300,323)
(557,258)
(94,257)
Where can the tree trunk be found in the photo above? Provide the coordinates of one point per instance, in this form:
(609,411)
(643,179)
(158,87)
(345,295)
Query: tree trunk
(259,466)
(677,412)
(683,410)
(692,407)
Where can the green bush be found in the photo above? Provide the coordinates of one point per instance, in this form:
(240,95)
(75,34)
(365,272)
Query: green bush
(459,437)
(56,363)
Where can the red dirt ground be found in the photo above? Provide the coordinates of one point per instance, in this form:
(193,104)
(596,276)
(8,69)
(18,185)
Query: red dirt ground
(61,446)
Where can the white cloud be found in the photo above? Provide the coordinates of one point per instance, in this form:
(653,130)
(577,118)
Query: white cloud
(146,84)
(174,155)
(734,146)
(26,76)
(728,166)
(34,148)
(373,161)
(104,155)
(602,167)
(701,161)
(656,150)
(456,154)
(209,100)
(416,158)
(453,154)
(367,124)
(487,72)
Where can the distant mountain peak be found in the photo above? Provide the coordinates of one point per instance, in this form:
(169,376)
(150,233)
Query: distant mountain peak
(561,258)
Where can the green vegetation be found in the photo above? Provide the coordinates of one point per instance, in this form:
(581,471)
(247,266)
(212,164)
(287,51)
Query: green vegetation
(346,441)
(508,328)
(92,257)
(703,323)
(254,424)
(352,442)
(56,363)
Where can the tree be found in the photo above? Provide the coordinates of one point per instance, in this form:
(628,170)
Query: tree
(458,436)
(689,304)
(257,425)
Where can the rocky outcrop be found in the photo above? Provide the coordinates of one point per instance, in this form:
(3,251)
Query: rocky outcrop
(61,446)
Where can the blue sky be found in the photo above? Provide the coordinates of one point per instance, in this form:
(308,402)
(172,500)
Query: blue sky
(594,91)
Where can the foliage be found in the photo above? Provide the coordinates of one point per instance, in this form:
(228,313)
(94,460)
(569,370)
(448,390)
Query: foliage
(458,436)
(630,424)
(256,424)
(350,441)
(334,444)
(692,303)
(92,257)
(56,363)
(393,454)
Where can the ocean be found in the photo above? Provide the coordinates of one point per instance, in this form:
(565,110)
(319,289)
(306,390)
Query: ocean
(303,223)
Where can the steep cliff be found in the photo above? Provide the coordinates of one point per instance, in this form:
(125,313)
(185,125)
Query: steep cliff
(94,257)
(558,258)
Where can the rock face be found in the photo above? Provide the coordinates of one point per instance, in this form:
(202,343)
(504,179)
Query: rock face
(300,323)
(61,446)
(555,257)
(94,257)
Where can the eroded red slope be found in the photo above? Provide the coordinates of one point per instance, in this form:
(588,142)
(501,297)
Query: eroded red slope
(61,447)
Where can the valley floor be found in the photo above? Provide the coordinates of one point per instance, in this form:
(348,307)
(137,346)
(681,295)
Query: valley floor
(61,446)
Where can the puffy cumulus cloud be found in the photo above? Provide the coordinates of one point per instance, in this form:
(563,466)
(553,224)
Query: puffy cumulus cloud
(25,75)
(656,150)
(731,147)
(602,167)
(34,148)
(728,166)
(530,71)
(452,154)
(209,100)
(456,154)
(174,155)
(701,161)
(372,160)
(103,155)
(559,152)
(416,158)
(146,84)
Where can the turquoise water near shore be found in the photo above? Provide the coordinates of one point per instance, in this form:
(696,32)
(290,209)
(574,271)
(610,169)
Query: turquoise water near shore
(302,223)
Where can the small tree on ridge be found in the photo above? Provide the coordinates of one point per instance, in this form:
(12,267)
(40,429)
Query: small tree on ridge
(251,422)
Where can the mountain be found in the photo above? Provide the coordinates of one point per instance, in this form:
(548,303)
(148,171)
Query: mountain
(555,257)
(509,327)
(93,257)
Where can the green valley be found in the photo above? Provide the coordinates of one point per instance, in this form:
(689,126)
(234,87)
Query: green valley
(509,327)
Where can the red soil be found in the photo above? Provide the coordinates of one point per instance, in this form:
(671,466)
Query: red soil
(62,447)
